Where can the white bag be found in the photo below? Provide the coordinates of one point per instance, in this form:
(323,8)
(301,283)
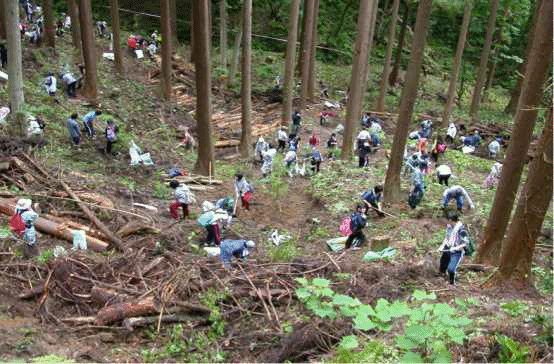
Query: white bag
(79,239)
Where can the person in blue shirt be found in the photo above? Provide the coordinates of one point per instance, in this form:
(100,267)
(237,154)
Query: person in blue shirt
(316,160)
(234,248)
(74,129)
(357,223)
(88,122)
(372,198)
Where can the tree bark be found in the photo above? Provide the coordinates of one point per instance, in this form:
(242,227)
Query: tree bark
(357,81)
(191,39)
(308,34)
(372,24)
(398,55)
(49,27)
(119,311)
(166,49)
(407,100)
(202,35)
(246,81)
(457,63)
(380,107)
(236,54)
(223,33)
(312,72)
(2,21)
(173,22)
(514,96)
(481,74)
(116,37)
(288,87)
(89,50)
(525,228)
(524,120)
(15,68)
(73,11)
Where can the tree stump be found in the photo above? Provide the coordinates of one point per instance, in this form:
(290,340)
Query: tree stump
(379,243)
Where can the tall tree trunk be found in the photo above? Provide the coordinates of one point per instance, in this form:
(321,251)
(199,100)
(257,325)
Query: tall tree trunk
(288,87)
(192,47)
(223,33)
(514,95)
(236,53)
(385,13)
(173,22)
(246,78)
(388,57)
(517,249)
(407,100)
(205,162)
(2,21)
(457,63)
(309,12)
(402,36)
(524,120)
(89,50)
(166,49)
(481,74)
(360,54)
(49,28)
(300,64)
(312,72)
(495,51)
(116,37)
(73,10)
(372,24)
(15,69)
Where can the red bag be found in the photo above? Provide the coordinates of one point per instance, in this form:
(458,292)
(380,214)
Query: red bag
(174,210)
(344,227)
(17,225)
(247,197)
(132,42)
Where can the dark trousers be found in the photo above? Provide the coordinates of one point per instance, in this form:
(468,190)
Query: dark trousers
(282,145)
(76,140)
(449,262)
(358,234)
(362,158)
(443,178)
(214,236)
(315,166)
(71,89)
(109,146)
(89,129)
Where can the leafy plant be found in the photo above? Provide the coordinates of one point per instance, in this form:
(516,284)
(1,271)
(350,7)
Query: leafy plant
(52,358)
(511,351)
(45,256)
(513,308)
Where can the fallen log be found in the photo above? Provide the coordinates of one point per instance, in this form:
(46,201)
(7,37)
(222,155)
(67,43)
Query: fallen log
(114,240)
(131,323)
(43,225)
(118,312)
(102,296)
(80,320)
(227,143)
(134,227)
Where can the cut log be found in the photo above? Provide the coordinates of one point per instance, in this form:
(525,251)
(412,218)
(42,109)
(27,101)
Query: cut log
(99,224)
(131,323)
(226,143)
(379,243)
(80,320)
(118,312)
(102,296)
(7,207)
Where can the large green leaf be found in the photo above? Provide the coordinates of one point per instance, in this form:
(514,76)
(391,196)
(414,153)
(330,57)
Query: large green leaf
(303,281)
(442,357)
(326,311)
(411,357)
(303,293)
(456,334)
(418,332)
(349,342)
(404,343)
(365,310)
(321,282)
(341,299)
(363,323)
(443,309)
(422,295)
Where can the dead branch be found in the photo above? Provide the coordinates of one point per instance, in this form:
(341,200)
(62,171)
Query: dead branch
(131,323)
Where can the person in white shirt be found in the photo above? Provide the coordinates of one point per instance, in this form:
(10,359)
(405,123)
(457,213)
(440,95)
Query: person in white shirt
(244,190)
(452,248)
(183,198)
(459,194)
(363,140)
(494,147)
(443,174)
(282,138)
(50,83)
(451,133)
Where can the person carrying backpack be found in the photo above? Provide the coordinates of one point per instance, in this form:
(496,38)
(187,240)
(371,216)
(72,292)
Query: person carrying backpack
(316,160)
(357,223)
(23,224)
(183,198)
(453,247)
(111,135)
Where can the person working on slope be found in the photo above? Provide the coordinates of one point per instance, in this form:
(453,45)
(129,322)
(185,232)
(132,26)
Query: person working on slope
(452,248)
(372,198)
(357,223)
(234,248)
(183,198)
(244,190)
(457,193)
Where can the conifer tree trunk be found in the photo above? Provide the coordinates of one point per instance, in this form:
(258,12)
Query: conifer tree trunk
(357,81)
(518,247)
(15,68)
(514,95)
(398,55)
(312,71)
(288,87)
(246,78)
(192,47)
(524,120)
(494,56)
(49,28)
(166,49)
(223,33)
(173,22)
(2,21)
(388,57)
(300,64)
(116,37)
(482,72)
(407,100)
(457,63)
(306,46)
(89,50)
(205,162)
(236,53)
(73,10)
(372,24)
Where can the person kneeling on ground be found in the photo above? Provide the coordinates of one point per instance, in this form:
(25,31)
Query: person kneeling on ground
(452,248)
(457,193)
(357,223)
(183,197)
(234,248)
(372,198)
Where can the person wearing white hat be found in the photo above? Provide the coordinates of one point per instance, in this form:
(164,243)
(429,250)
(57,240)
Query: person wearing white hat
(234,248)
(25,210)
